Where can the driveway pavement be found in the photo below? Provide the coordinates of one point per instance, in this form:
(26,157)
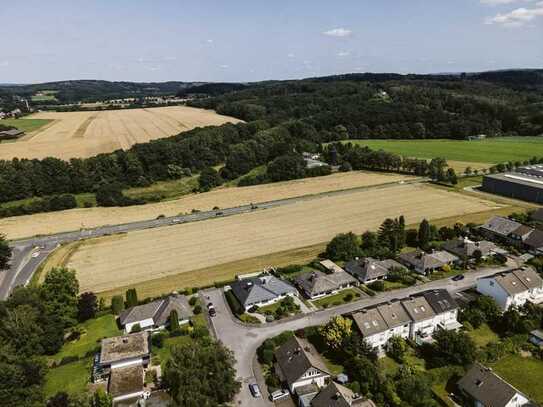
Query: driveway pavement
(244,340)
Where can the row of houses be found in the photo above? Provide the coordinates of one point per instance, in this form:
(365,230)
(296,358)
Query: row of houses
(508,231)
(15,113)
(415,318)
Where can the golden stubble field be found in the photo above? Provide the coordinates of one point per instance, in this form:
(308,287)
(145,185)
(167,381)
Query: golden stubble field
(85,134)
(75,219)
(116,261)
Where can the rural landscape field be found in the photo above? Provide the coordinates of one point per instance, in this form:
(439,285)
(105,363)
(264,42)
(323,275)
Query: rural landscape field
(116,261)
(68,135)
(55,222)
(479,153)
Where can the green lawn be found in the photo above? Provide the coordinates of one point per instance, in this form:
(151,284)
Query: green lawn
(336,299)
(483,335)
(93,331)
(164,190)
(71,378)
(526,374)
(26,125)
(438,275)
(494,150)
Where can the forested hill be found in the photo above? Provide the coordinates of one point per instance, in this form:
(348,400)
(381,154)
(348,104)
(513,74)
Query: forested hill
(94,90)
(396,106)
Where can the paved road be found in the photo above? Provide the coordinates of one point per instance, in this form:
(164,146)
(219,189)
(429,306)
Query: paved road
(23,264)
(244,340)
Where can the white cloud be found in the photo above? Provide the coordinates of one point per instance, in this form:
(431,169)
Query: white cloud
(3,64)
(517,17)
(224,66)
(342,54)
(291,55)
(499,2)
(338,32)
(209,41)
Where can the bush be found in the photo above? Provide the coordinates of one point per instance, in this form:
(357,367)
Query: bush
(67,359)
(135,328)
(293,268)
(157,340)
(234,304)
(348,297)
(117,304)
(197,309)
(377,285)
(193,301)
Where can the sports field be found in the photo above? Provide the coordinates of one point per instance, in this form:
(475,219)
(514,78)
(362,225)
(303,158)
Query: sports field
(75,219)
(492,150)
(116,261)
(85,134)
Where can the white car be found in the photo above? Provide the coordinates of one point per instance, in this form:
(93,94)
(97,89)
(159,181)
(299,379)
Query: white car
(278,395)
(255,390)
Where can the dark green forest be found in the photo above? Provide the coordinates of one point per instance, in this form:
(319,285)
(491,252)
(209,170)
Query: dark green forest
(284,119)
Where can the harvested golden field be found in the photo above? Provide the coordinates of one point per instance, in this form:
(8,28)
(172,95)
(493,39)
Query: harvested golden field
(74,219)
(106,263)
(85,134)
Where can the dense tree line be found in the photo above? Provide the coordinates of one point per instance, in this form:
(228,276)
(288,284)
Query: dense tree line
(46,204)
(33,321)
(392,106)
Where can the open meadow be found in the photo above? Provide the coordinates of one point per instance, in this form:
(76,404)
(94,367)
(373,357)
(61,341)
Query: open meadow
(473,153)
(85,134)
(75,219)
(106,263)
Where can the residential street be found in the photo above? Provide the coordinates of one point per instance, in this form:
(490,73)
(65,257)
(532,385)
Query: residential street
(244,340)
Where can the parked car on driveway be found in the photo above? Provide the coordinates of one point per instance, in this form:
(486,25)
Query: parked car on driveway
(279,394)
(255,390)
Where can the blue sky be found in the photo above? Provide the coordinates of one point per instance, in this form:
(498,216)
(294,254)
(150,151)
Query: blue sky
(239,40)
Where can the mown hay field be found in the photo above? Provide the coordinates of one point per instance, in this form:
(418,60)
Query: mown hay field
(75,219)
(117,261)
(85,134)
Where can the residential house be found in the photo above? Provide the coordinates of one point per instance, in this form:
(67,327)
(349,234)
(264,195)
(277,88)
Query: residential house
(330,266)
(423,319)
(513,288)
(262,290)
(123,359)
(315,284)
(445,308)
(396,318)
(534,242)
(536,337)
(155,315)
(373,328)
(483,388)
(426,263)
(337,395)
(368,269)
(499,228)
(464,248)
(298,364)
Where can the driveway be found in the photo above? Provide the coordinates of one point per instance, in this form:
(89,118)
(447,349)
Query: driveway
(244,340)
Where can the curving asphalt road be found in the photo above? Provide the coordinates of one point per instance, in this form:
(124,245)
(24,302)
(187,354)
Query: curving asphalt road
(244,339)
(29,254)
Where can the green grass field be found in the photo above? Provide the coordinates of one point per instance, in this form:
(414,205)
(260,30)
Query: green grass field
(94,330)
(26,125)
(526,374)
(494,150)
(71,378)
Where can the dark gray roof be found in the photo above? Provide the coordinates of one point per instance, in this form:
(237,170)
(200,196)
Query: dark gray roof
(529,277)
(295,357)
(440,301)
(501,226)
(370,322)
(427,261)
(336,395)
(418,309)
(486,387)
(466,247)
(534,239)
(537,215)
(258,289)
(394,314)
(12,133)
(316,282)
(158,310)
(370,269)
